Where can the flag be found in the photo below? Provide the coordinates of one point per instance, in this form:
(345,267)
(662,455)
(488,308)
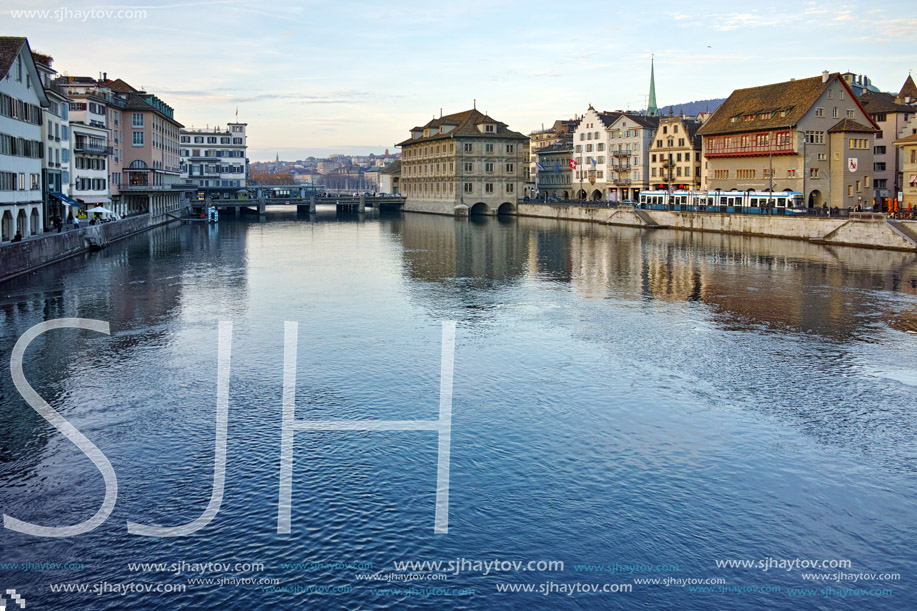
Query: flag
(540,166)
(592,160)
(237,112)
(573,164)
(556,167)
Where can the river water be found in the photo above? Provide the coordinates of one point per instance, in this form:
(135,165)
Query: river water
(637,405)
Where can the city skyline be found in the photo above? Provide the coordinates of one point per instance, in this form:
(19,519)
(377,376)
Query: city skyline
(355,78)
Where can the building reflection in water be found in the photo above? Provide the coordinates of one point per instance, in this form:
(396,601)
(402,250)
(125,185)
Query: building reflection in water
(749,281)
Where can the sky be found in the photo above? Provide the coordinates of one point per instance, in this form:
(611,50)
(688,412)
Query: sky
(317,78)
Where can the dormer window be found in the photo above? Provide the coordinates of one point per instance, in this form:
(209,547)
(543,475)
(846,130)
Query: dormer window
(490,128)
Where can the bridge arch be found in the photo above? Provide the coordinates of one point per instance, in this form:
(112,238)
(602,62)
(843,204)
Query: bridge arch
(506,208)
(479,208)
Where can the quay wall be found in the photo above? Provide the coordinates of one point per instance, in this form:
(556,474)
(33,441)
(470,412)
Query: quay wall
(21,257)
(865,230)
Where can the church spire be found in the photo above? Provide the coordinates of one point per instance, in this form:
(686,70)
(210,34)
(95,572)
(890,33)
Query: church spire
(651,109)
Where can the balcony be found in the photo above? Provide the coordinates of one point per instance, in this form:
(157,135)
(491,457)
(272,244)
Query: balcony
(621,167)
(624,153)
(622,181)
(91,149)
(142,187)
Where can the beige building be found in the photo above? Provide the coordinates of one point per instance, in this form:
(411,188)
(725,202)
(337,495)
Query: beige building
(808,135)
(908,147)
(464,163)
(896,116)
(676,154)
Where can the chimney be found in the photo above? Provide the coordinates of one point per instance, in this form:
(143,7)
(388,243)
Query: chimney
(105,76)
(824,76)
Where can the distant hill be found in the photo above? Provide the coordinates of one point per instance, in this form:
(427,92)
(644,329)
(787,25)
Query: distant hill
(692,108)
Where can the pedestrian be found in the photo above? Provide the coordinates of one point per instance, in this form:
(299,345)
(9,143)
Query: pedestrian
(76,223)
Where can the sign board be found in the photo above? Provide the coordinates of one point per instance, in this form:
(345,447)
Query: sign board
(852,164)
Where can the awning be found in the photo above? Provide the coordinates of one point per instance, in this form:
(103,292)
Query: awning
(94,200)
(98,210)
(65,200)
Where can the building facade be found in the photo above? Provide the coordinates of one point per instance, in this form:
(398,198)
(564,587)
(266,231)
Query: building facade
(390,178)
(215,161)
(630,137)
(908,148)
(808,135)
(55,133)
(554,177)
(896,117)
(22,98)
(464,163)
(676,154)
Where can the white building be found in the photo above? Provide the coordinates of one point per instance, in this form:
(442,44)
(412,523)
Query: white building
(215,160)
(22,98)
(55,128)
(629,139)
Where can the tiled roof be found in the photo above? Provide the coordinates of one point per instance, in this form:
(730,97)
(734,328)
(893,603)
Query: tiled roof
(120,86)
(392,168)
(851,126)
(878,102)
(465,125)
(909,89)
(9,49)
(912,139)
(136,102)
(785,104)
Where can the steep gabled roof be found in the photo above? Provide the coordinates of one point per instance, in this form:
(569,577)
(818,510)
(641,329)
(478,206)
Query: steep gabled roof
(776,106)
(851,126)
(9,49)
(909,89)
(120,86)
(465,124)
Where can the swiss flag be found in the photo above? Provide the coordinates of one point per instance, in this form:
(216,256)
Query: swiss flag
(573,164)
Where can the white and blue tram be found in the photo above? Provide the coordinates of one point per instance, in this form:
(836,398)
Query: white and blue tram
(744,202)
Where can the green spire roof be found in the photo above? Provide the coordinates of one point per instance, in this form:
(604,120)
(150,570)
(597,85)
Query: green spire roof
(651,109)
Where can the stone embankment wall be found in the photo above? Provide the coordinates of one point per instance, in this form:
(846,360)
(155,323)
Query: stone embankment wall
(866,230)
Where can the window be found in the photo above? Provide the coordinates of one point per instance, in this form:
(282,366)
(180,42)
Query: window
(849,113)
(510,168)
(489,168)
(814,137)
(849,190)
(819,112)
(879,150)
(490,129)
(745,174)
(510,148)
(137,138)
(813,172)
(879,166)
(137,119)
(834,112)
(489,187)
(468,187)
(510,187)
(488,148)
(791,173)
(468,147)
(823,156)
(579,148)
(722,174)
(469,167)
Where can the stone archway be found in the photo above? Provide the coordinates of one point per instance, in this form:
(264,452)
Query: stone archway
(596,196)
(816,200)
(34,222)
(506,208)
(479,208)
(6,226)
(22,223)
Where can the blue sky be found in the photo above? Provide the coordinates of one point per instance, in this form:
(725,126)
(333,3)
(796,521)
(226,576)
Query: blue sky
(313,78)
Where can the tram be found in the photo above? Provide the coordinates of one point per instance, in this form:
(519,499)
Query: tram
(744,202)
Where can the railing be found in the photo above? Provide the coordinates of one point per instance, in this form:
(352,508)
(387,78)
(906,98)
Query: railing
(621,167)
(144,187)
(92,149)
(625,153)
(622,181)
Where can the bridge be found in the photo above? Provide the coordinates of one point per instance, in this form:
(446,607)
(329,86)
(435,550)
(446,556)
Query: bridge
(304,198)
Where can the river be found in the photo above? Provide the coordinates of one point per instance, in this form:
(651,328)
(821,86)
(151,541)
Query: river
(637,405)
